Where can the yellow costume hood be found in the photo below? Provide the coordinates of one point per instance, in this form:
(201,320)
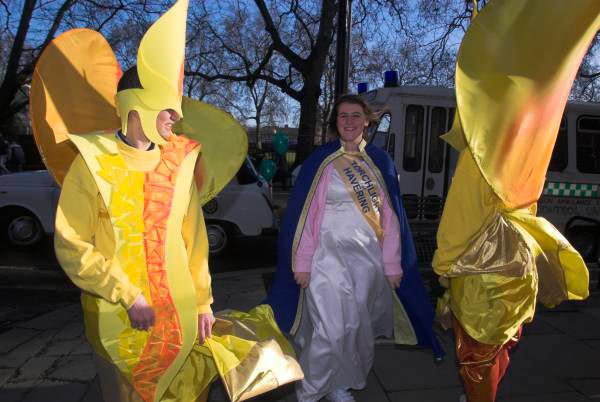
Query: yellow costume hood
(160,63)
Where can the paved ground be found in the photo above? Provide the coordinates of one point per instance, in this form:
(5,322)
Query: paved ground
(44,356)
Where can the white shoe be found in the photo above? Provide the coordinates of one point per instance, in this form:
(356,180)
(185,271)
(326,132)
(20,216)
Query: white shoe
(340,395)
(462,398)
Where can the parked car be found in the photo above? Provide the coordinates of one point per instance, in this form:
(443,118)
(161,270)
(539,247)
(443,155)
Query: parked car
(28,206)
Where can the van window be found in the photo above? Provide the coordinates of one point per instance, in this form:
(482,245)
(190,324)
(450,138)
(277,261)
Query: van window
(436,145)
(588,144)
(413,138)
(560,153)
(381,134)
(392,146)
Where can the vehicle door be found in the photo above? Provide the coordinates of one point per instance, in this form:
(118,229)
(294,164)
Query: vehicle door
(423,159)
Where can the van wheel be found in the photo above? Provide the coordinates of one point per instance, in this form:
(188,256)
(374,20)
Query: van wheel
(21,229)
(218,238)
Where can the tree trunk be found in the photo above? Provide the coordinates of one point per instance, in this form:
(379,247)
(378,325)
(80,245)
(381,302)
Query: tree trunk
(308,120)
(258,142)
(12,80)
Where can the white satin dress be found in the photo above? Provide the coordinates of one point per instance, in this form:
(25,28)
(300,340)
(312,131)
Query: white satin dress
(348,302)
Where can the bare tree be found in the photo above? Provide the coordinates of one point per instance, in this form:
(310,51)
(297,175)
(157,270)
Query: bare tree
(16,74)
(295,37)
(29,39)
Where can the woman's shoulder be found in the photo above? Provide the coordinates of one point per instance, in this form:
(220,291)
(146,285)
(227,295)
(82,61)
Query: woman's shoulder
(316,157)
(379,155)
(324,150)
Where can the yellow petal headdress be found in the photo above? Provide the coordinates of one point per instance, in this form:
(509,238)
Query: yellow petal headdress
(74,91)
(160,63)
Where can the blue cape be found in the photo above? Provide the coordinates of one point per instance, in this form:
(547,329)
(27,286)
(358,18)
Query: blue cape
(284,294)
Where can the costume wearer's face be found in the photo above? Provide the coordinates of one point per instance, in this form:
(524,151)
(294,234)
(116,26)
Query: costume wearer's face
(351,122)
(164,122)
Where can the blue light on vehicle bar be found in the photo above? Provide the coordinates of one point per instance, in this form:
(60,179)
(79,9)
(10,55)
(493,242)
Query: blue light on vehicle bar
(390,78)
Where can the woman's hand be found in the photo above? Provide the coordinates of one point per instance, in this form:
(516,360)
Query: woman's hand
(394,280)
(205,323)
(141,314)
(302,279)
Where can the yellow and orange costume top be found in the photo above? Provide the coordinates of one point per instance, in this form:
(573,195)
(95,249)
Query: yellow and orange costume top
(515,68)
(130,222)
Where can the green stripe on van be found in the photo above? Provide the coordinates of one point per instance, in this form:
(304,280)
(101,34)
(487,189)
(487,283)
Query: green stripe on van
(562,189)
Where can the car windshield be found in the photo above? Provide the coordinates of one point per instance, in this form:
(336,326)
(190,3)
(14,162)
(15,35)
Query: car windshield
(247,173)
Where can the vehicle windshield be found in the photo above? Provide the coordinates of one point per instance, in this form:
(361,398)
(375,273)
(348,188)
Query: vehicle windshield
(247,173)
(379,139)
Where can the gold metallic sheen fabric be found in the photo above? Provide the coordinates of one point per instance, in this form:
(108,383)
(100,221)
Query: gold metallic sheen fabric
(500,248)
(496,268)
(252,356)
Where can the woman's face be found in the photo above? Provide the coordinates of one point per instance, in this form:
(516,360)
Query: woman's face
(351,122)
(164,122)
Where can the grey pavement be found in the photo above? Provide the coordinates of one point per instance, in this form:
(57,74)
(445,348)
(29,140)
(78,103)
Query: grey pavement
(46,357)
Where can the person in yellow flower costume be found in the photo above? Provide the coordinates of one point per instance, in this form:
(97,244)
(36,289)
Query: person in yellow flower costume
(495,256)
(129,226)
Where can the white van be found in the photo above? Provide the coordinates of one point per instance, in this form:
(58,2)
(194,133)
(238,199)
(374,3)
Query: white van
(28,206)
(415,117)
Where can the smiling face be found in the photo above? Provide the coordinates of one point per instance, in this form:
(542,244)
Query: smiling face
(351,122)
(164,122)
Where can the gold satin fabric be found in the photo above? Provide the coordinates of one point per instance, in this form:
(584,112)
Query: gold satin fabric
(252,356)
(364,189)
(496,261)
(495,256)
(247,351)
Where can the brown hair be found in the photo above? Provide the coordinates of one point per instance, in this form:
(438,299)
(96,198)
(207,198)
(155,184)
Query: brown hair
(372,117)
(129,80)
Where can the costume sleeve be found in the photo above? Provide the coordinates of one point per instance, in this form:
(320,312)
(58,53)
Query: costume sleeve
(75,229)
(310,233)
(391,240)
(196,244)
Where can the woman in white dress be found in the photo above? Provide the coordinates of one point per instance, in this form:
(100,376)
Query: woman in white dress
(348,298)
(341,237)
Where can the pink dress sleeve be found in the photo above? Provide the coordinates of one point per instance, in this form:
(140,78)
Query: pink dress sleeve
(310,234)
(391,240)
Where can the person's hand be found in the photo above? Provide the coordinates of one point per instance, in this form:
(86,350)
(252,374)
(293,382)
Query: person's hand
(302,279)
(394,280)
(205,323)
(141,314)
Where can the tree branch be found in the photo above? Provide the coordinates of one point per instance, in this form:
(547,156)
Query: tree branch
(294,59)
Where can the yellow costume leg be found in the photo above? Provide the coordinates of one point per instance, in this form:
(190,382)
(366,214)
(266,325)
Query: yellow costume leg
(192,383)
(114,387)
